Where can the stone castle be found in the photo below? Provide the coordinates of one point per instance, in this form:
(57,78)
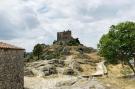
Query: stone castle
(64,36)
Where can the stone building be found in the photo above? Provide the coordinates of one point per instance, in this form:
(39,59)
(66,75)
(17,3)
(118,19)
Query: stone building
(64,36)
(11,67)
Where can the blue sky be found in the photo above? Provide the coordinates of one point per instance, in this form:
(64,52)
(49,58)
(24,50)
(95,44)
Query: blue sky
(27,22)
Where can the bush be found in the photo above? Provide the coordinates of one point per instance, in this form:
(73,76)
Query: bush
(73,42)
(38,50)
(50,55)
(126,71)
(85,49)
(82,56)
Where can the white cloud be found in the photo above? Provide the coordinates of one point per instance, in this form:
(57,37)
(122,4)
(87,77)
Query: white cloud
(27,22)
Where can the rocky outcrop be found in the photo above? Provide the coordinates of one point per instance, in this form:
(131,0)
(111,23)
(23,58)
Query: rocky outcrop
(48,70)
(69,71)
(28,72)
(40,68)
(57,62)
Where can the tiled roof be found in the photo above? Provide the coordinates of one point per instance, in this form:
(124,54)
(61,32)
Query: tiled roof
(9,46)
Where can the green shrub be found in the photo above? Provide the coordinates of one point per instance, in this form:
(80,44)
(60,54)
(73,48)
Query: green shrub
(73,42)
(84,49)
(126,71)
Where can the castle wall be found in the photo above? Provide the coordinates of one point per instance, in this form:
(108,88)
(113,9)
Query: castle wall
(11,69)
(63,36)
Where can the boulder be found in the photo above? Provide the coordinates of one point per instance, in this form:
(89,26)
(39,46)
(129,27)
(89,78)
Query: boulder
(76,66)
(42,71)
(28,72)
(69,71)
(49,70)
(57,62)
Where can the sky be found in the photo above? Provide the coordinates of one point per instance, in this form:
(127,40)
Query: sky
(25,23)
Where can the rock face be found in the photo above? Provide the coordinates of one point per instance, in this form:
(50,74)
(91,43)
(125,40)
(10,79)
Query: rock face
(63,74)
(68,66)
(69,71)
(49,70)
(40,68)
(28,72)
(57,62)
(11,69)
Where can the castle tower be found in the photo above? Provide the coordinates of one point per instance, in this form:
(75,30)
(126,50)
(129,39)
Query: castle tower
(64,36)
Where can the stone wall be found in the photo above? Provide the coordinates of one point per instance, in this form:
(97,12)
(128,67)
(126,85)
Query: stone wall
(11,69)
(63,36)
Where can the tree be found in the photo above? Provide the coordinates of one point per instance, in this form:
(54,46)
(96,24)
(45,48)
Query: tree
(38,50)
(118,45)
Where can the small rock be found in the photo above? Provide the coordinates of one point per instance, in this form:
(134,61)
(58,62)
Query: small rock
(49,70)
(28,72)
(57,62)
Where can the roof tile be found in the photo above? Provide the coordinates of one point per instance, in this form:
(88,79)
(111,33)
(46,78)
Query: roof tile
(9,46)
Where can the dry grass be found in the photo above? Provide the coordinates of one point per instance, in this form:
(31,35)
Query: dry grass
(94,57)
(115,70)
(87,69)
(119,83)
(115,78)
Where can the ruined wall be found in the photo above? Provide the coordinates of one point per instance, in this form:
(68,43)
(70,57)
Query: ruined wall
(11,69)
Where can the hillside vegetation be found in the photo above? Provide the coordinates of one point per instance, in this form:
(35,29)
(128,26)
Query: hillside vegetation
(57,51)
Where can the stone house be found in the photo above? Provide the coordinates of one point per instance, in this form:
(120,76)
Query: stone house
(11,67)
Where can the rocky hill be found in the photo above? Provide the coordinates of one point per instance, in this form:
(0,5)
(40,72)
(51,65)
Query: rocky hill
(71,65)
(62,60)
(71,72)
